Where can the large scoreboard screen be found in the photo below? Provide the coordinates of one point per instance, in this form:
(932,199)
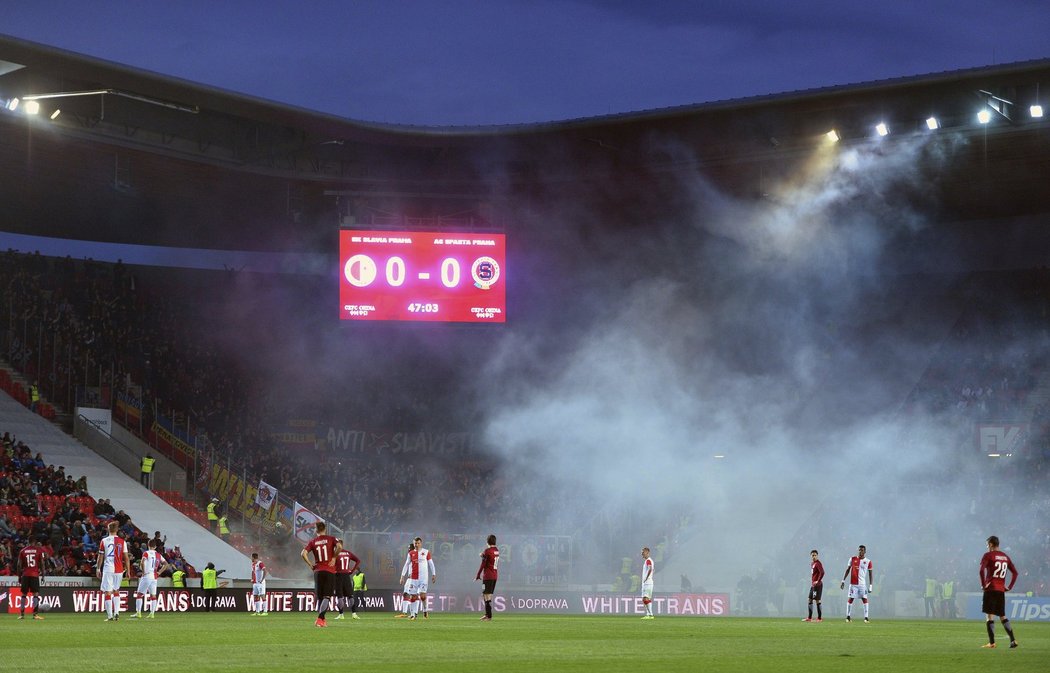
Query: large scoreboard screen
(422,276)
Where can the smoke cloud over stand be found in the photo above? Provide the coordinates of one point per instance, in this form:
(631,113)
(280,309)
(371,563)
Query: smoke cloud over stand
(741,376)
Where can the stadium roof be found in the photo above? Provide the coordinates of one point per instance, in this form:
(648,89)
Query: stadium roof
(142,107)
(737,144)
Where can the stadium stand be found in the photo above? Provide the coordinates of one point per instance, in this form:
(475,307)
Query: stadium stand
(31,509)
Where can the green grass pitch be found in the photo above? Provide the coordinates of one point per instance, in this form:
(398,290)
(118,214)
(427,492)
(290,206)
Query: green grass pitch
(536,644)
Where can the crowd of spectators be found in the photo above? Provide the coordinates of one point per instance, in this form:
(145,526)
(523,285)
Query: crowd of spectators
(103,324)
(41,503)
(992,359)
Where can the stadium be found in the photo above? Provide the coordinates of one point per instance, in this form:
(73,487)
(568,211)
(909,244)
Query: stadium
(730,332)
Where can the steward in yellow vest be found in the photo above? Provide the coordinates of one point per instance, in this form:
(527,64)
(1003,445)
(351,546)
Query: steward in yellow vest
(213,516)
(147,470)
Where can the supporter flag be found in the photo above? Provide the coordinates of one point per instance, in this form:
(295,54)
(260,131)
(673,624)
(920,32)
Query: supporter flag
(128,409)
(304,523)
(203,468)
(266,495)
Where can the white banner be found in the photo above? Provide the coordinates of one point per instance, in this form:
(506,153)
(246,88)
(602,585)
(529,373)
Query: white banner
(1001,439)
(304,523)
(266,496)
(99,419)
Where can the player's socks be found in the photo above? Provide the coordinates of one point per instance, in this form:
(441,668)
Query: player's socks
(1009,630)
(809,612)
(819,613)
(991,631)
(865,610)
(488,609)
(325,604)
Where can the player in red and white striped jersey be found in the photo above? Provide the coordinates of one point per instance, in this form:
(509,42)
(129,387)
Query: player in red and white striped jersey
(259,606)
(417,563)
(152,564)
(860,581)
(112,562)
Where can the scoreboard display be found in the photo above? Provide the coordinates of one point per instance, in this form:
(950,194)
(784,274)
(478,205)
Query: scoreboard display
(420,276)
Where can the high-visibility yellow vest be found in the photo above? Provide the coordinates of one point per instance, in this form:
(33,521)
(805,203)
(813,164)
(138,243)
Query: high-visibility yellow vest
(147,464)
(931,588)
(178,579)
(209,579)
(947,590)
(212,516)
(223,528)
(359,582)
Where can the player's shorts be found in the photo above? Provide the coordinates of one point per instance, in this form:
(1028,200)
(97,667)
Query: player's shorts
(258,588)
(647,590)
(490,586)
(147,585)
(324,584)
(29,584)
(816,591)
(345,585)
(413,587)
(111,581)
(994,603)
(858,591)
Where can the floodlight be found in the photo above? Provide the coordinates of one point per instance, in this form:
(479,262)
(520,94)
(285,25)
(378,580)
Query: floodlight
(984,116)
(12,104)
(54,115)
(832,135)
(32,107)
(882,129)
(933,124)
(1036,111)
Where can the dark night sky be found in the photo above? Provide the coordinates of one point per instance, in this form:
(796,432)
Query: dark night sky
(463,62)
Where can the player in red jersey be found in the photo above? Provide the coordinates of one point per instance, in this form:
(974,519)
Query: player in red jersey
(860,582)
(346,564)
(324,549)
(995,565)
(31,571)
(488,573)
(816,585)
